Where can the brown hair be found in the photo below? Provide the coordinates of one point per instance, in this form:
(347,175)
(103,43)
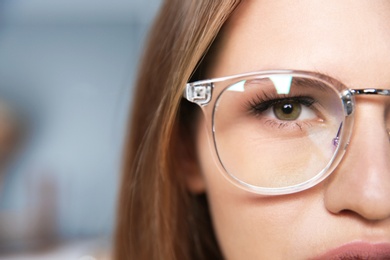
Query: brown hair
(157,217)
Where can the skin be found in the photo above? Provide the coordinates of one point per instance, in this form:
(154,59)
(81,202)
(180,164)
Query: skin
(348,40)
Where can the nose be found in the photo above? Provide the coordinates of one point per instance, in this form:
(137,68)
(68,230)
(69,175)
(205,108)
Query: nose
(361,183)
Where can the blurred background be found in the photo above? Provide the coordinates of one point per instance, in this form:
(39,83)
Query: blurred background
(66,73)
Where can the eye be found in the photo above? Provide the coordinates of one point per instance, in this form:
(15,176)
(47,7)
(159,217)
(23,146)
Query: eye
(287,110)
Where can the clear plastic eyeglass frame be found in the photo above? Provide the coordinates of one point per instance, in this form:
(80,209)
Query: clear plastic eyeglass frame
(207,94)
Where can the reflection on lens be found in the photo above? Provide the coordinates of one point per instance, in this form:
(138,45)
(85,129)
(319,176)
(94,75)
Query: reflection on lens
(271,138)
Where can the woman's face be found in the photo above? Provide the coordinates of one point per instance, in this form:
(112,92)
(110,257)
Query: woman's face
(348,40)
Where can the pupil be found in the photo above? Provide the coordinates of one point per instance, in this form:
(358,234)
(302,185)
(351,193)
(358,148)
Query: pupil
(287,108)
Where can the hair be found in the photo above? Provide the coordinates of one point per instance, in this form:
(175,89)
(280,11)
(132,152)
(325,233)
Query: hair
(158,218)
(12,133)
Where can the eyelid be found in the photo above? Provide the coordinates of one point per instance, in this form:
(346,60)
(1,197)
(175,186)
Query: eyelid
(263,104)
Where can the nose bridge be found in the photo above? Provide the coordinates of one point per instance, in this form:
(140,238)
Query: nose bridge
(370,140)
(361,183)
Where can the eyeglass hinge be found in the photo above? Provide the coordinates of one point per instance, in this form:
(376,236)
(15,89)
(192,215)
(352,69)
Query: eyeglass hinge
(347,101)
(200,94)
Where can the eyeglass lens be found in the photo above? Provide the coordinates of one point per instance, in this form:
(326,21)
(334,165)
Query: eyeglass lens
(278,130)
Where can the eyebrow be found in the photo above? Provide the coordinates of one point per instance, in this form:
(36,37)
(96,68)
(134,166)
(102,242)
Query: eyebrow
(310,83)
(331,79)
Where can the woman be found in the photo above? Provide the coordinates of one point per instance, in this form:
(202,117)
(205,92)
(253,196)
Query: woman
(287,162)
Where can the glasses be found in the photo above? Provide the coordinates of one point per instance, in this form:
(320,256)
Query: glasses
(277,132)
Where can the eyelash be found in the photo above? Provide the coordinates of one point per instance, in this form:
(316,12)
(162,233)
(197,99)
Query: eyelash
(282,125)
(260,104)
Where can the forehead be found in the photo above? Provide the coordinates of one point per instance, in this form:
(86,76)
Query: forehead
(346,39)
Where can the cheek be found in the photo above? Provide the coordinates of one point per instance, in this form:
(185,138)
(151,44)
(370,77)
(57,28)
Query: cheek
(249,226)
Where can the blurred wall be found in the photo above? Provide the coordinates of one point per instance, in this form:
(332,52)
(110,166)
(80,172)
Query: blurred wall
(68,68)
